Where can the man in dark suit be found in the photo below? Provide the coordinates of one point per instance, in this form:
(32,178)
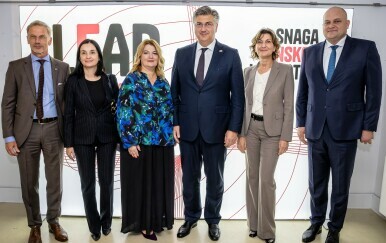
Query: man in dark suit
(208,94)
(338,102)
(32,111)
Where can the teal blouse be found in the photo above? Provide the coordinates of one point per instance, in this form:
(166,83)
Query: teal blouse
(145,111)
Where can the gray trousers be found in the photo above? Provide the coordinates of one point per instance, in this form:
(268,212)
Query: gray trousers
(261,160)
(42,138)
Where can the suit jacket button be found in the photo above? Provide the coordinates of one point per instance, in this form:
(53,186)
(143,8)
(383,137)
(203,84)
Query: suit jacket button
(327,89)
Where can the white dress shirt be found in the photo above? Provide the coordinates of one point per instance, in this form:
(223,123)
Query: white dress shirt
(258,92)
(327,53)
(208,56)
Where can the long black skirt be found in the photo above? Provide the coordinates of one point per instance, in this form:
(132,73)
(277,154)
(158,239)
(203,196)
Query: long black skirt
(147,189)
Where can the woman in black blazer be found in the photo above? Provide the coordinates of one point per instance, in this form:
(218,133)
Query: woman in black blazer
(90,130)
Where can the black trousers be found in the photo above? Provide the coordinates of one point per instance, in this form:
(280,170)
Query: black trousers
(193,154)
(324,155)
(105,160)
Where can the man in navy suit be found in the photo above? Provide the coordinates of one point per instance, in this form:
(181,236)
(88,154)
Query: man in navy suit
(338,102)
(208,94)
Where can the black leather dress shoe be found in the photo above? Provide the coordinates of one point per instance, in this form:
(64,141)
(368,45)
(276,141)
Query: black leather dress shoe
(272,240)
(310,234)
(214,232)
(106,231)
(184,230)
(96,237)
(332,237)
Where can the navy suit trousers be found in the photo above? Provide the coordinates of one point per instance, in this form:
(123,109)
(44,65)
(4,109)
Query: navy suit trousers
(193,154)
(325,154)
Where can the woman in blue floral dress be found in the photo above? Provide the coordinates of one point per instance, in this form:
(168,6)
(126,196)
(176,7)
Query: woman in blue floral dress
(145,125)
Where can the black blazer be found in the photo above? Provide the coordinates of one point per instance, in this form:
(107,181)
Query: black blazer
(83,124)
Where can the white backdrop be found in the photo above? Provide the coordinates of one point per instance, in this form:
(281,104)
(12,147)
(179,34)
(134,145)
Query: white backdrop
(236,28)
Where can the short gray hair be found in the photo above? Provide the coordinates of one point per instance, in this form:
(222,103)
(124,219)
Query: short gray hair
(206,10)
(39,23)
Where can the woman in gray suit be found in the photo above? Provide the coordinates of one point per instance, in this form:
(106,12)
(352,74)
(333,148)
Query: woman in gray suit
(267,130)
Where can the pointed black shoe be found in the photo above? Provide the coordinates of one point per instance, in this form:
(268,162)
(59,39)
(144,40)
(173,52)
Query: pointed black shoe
(214,232)
(106,231)
(252,233)
(270,240)
(310,234)
(184,230)
(151,236)
(332,237)
(96,237)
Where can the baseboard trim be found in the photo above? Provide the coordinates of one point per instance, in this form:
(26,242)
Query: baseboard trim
(10,194)
(364,201)
(356,200)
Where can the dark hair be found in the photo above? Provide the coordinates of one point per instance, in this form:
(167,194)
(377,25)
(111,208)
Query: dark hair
(79,66)
(257,37)
(206,10)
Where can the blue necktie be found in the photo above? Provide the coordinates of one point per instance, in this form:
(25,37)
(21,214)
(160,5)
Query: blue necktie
(331,63)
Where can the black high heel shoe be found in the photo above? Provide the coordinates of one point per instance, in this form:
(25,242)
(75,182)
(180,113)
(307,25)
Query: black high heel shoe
(151,236)
(252,233)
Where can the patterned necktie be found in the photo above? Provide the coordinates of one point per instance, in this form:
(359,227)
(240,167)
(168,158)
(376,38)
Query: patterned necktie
(39,102)
(331,63)
(200,67)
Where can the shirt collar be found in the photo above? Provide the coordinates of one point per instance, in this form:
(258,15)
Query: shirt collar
(340,43)
(210,46)
(35,58)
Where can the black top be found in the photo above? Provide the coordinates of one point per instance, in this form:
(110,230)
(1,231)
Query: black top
(97,93)
(83,124)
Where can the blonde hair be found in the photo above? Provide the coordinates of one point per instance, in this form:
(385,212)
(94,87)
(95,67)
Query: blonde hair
(159,69)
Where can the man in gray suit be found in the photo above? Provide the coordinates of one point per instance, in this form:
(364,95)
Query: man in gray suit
(32,109)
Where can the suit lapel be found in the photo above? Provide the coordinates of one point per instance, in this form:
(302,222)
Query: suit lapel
(84,91)
(55,73)
(342,59)
(272,76)
(191,60)
(30,74)
(251,84)
(319,61)
(217,54)
(107,87)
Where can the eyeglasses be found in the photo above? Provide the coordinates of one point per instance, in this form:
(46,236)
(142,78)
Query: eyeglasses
(207,24)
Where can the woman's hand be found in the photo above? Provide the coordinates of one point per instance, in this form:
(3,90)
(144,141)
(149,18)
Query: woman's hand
(242,144)
(283,147)
(134,151)
(70,153)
